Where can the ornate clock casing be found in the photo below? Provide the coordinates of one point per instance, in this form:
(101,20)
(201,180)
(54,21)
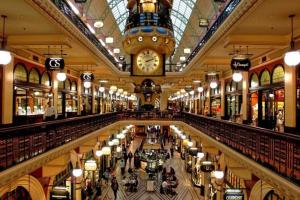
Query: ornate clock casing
(148,63)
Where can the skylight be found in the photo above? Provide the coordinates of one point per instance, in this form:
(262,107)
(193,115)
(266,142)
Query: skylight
(119,11)
(180,14)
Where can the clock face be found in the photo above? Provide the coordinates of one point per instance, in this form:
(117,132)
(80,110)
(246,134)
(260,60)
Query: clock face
(148,60)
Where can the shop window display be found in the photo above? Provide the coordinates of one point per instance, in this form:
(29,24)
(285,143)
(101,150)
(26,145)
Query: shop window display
(215,108)
(233,101)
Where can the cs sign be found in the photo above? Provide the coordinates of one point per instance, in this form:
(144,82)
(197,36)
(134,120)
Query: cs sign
(87,76)
(52,64)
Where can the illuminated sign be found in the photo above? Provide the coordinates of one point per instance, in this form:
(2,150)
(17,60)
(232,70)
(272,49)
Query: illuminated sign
(52,64)
(87,76)
(240,64)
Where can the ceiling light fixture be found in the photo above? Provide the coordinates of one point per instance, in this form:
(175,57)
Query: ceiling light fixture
(109,40)
(292,57)
(200,89)
(213,84)
(187,50)
(182,58)
(116,51)
(237,76)
(5,56)
(61,76)
(101,89)
(98,24)
(87,84)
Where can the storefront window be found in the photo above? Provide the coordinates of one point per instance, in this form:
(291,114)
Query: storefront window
(265,78)
(228,87)
(254,81)
(20,73)
(68,84)
(74,86)
(21,101)
(46,79)
(34,76)
(278,74)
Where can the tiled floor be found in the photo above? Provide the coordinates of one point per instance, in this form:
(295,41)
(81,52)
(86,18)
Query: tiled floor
(185,189)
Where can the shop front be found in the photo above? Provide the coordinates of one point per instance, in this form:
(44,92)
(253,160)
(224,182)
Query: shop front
(267,97)
(86,101)
(233,101)
(67,105)
(63,187)
(215,102)
(32,92)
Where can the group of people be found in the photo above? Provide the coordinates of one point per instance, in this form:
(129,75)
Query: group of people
(168,182)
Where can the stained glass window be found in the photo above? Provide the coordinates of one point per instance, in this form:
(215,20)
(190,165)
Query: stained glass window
(20,73)
(254,81)
(278,74)
(34,76)
(46,79)
(265,78)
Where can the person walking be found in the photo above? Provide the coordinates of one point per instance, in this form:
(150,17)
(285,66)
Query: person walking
(114,186)
(130,158)
(172,150)
(122,166)
(125,157)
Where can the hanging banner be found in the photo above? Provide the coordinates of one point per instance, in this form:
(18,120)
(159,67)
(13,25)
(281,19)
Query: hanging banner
(87,76)
(53,64)
(233,194)
(240,64)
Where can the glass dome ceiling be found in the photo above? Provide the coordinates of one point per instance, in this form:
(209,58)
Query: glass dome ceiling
(180,14)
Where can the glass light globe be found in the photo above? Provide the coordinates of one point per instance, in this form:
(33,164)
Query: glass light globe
(87,84)
(292,58)
(183,137)
(61,76)
(213,84)
(200,155)
(116,141)
(99,153)
(101,89)
(98,24)
(5,57)
(219,174)
(111,92)
(190,143)
(192,92)
(200,89)
(110,143)
(119,149)
(77,172)
(237,76)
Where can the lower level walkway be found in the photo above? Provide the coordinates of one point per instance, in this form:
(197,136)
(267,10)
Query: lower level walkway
(185,189)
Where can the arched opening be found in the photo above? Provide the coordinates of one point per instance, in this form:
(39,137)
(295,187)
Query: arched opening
(20,73)
(34,76)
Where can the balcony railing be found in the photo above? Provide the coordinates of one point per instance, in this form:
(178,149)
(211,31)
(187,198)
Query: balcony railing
(279,152)
(21,143)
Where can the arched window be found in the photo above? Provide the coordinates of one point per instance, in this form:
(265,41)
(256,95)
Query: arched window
(278,74)
(265,78)
(46,79)
(20,73)
(228,87)
(74,86)
(34,76)
(68,84)
(233,86)
(254,81)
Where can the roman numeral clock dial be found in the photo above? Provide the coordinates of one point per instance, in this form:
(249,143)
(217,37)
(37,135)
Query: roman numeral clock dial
(148,61)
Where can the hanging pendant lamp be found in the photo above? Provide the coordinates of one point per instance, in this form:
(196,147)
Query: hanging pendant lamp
(5,56)
(292,57)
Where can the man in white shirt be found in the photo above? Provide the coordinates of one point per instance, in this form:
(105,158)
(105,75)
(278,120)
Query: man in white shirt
(50,112)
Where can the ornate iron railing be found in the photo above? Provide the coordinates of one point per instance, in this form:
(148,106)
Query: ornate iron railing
(279,152)
(24,142)
(67,11)
(222,17)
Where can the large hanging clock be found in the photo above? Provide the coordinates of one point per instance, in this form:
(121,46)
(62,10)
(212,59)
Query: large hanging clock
(148,63)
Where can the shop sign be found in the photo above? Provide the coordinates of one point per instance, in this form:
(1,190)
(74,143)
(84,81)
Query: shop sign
(233,194)
(52,64)
(87,76)
(239,64)
(90,165)
(207,166)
